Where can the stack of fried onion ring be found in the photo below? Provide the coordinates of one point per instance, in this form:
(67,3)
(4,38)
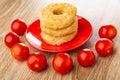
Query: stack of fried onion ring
(58,23)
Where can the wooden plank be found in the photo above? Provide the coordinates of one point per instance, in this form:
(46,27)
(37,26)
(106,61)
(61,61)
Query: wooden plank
(98,12)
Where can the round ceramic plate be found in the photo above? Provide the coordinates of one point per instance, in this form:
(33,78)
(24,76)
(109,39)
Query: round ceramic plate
(34,38)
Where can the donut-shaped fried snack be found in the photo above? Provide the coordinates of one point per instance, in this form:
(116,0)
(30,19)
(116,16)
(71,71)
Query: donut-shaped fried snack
(58,15)
(60,32)
(57,40)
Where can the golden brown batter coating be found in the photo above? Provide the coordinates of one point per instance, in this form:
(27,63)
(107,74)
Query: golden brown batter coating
(60,14)
(60,32)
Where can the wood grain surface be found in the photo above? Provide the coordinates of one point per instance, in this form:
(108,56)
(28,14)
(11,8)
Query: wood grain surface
(98,12)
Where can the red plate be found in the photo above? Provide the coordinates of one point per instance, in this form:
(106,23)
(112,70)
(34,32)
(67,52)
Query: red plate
(33,37)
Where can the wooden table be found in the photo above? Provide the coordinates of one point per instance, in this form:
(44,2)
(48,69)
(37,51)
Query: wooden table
(98,12)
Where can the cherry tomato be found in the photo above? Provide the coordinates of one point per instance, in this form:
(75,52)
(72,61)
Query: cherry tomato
(18,26)
(11,38)
(104,46)
(62,63)
(86,57)
(20,51)
(108,31)
(37,62)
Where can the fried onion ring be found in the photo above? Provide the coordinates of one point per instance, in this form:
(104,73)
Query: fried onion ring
(60,32)
(57,40)
(58,15)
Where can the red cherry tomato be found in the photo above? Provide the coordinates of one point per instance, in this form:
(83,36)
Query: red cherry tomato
(20,51)
(108,31)
(62,63)
(37,62)
(18,26)
(11,38)
(104,47)
(86,57)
